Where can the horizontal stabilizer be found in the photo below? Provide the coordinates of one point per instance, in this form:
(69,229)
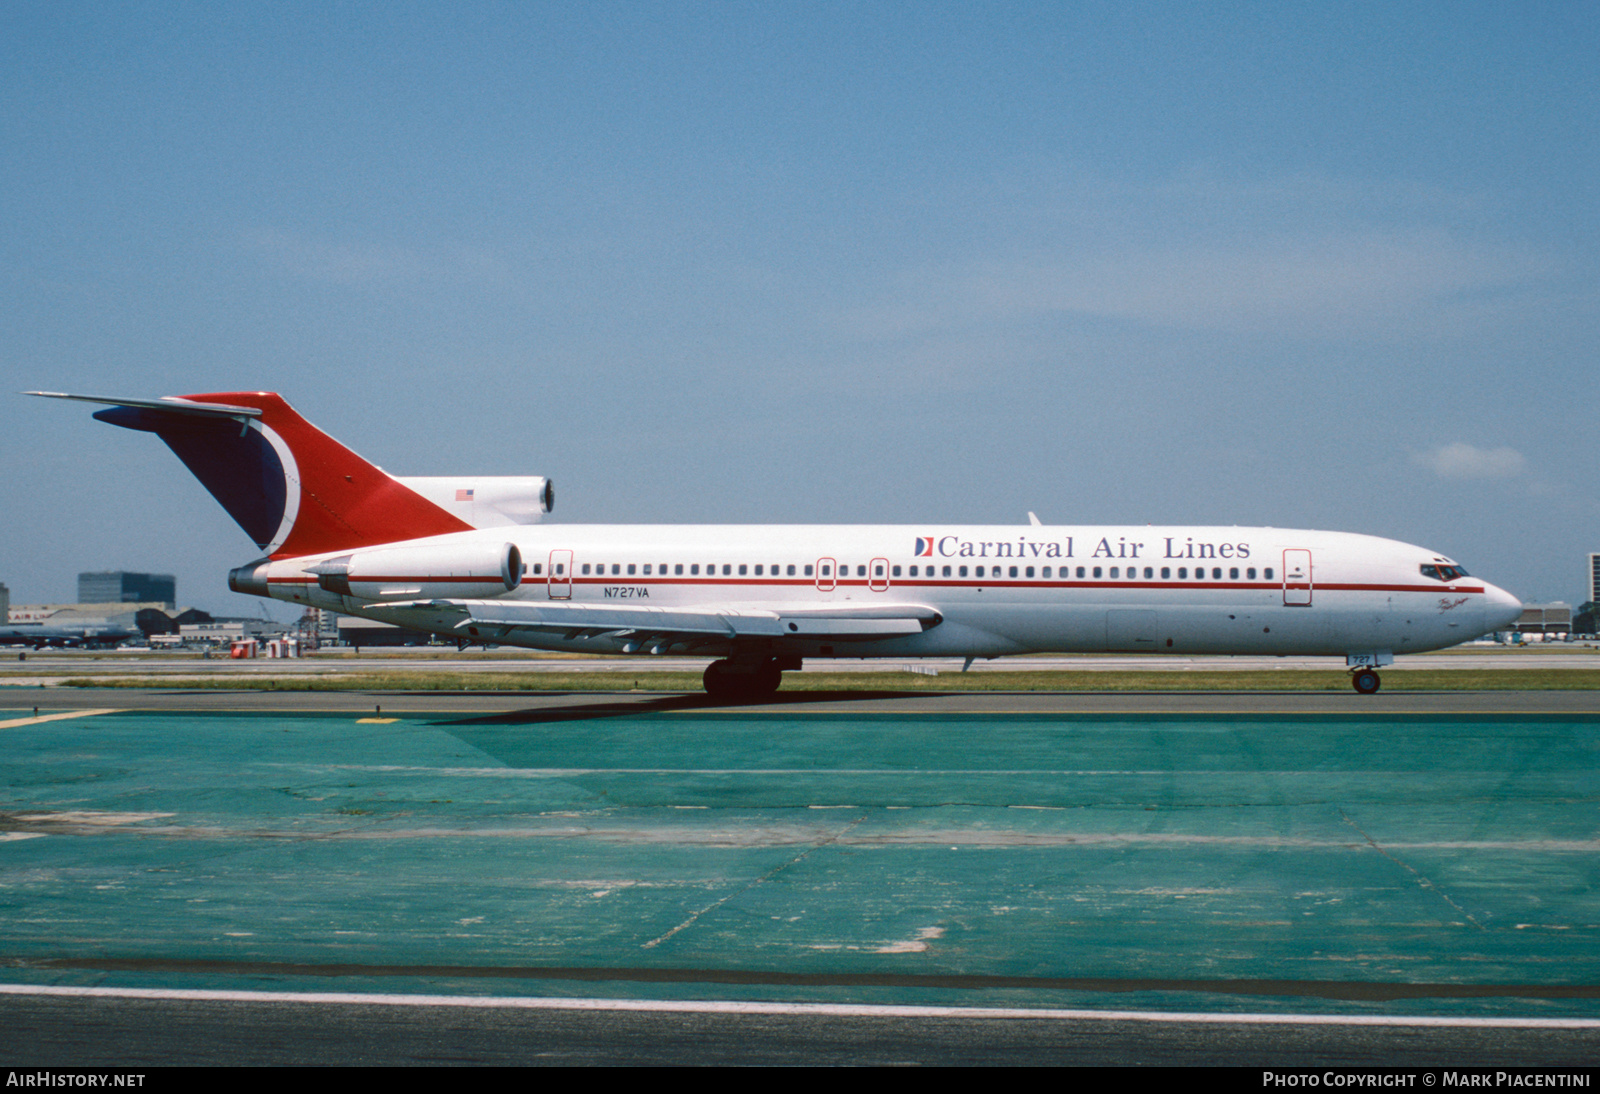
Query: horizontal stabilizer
(170,403)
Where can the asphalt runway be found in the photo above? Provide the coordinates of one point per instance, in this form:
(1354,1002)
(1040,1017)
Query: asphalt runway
(50,667)
(1288,879)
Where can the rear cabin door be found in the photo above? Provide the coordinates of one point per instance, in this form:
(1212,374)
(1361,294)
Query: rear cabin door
(1297,578)
(560,576)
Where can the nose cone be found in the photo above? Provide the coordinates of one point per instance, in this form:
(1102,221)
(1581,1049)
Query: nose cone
(1501,609)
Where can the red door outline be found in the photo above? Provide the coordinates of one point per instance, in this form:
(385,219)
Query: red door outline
(825,583)
(878,575)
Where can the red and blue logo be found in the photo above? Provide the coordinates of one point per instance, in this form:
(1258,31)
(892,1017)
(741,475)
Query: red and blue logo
(924,547)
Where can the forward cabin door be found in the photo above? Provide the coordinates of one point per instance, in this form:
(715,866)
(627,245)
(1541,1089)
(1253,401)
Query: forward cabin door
(1297,578)
(560,577)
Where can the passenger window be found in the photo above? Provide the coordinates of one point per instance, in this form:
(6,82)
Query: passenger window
(743,569)
(537,568)
(586,569)
(1149,572)
(1028,572)
(561,568)
(1046,572)
(791,569)
(1216,573)
(961,571)
(1013,572)
(727,569)
(861,571)
(895,572)
(677,570)
(758,570)
(695,569)
(1233,573)
(877,571)
(808,570)
(616,568)
(1199,573)
(827,571)
(1097,571)
(646,568)
(947,571)
(632,568)
(1080,571)
(1250,574)
(913,571)
(1166,572)
(1268,572)
(977,571)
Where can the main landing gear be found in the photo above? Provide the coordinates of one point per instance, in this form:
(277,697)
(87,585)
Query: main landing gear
(746,680)
(1365,681)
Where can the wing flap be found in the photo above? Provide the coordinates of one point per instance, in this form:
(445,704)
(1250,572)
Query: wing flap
(506,618)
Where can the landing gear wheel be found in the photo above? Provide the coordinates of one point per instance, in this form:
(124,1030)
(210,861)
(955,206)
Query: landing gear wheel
(719,683)
(1365,682)
(723,681)
(766,680)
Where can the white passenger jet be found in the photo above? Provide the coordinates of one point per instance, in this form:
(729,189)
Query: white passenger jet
(464,557)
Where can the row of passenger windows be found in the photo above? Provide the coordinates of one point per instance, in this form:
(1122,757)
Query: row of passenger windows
(1114,573)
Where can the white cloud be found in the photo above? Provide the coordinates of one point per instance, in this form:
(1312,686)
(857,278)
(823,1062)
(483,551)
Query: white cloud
(1465,461)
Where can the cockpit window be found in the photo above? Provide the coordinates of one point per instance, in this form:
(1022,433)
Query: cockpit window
(1444,573)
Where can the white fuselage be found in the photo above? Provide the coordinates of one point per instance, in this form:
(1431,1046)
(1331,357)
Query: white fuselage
(995,590)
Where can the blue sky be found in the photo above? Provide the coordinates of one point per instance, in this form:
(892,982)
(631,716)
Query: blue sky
(1316,265)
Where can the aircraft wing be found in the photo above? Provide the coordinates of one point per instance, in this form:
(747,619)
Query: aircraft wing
(504,621)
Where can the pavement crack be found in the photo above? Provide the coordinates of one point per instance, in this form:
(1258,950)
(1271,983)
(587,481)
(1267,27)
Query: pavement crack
(768,876)
(1421,879)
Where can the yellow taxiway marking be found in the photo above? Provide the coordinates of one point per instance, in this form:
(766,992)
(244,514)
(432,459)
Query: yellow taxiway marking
(59,716)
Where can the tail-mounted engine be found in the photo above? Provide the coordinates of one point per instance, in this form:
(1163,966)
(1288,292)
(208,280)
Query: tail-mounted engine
(452,571)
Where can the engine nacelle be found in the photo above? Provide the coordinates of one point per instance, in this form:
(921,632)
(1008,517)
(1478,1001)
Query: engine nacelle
(445,571)
(488,501)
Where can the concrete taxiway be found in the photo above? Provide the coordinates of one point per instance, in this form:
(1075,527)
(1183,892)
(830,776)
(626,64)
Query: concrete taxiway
(1288,878)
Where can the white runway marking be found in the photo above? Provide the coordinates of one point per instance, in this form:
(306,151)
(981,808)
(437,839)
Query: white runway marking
(842,1010)
(15,722)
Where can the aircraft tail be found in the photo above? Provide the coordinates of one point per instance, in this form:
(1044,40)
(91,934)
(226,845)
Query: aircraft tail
(291,487)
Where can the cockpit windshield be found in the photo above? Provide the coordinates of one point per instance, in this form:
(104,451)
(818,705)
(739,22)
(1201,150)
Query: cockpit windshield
(1443,573)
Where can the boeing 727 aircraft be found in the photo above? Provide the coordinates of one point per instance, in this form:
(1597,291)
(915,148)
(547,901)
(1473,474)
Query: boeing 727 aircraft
(465,558)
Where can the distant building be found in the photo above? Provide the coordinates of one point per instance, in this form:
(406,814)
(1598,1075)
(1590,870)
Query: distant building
(5,604)
(1594,577)
(230,630)
(122,587)
(1554,618)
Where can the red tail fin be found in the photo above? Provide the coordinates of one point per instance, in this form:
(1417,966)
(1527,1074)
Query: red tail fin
(294,489)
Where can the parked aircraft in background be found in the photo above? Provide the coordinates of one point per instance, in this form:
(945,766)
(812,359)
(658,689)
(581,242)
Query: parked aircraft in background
(464,557)
(40,635)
